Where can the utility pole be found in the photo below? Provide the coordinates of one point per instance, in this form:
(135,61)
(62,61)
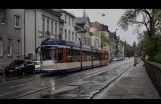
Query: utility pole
(24,35)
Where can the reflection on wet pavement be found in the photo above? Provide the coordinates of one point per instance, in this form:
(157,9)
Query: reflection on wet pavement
(87,87)
(70,86)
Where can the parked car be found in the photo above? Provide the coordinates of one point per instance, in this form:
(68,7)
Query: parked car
(37,66)
(20,67)
(126,58)
(0,73)
(115,59)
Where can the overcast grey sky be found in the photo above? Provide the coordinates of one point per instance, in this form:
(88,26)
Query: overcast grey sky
(111,18)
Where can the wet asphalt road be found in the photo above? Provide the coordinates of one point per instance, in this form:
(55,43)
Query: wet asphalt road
(78,85)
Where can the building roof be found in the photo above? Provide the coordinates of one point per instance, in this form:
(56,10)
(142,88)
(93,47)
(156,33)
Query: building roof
(79,28)
(67,43)
(104,27)
(61,21)
(53,12)
(81,20)
(95,24)
(63,11)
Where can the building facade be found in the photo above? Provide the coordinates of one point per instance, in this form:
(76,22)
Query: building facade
(11,28)
(69,25)
(95,34)
(40,24)
(105,31)
(113,45)
(84,23)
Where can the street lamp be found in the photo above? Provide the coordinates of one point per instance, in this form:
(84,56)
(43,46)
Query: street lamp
(80,40)
(102,14)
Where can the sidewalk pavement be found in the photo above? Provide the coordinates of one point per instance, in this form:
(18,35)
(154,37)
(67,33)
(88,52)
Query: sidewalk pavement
(135,84)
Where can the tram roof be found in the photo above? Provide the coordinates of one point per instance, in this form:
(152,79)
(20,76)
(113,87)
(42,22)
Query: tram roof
(66,43)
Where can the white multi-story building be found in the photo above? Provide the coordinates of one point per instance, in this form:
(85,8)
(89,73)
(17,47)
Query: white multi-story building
(68,31)
(40,24)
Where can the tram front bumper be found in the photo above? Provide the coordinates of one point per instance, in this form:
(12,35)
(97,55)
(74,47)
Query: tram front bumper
(50,71)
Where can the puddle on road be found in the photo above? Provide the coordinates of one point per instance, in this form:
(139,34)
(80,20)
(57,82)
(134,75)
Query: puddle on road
(81,91)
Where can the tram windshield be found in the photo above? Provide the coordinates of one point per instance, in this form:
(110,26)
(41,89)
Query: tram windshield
(48,53)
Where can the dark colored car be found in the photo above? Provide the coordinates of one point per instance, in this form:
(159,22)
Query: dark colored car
(0,73)
(20,67)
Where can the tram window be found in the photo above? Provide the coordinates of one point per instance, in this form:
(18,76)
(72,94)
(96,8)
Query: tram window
(88,55)
(69,55)
(76,55)
(60,55)
(48,53)
(106,56)
(97,56)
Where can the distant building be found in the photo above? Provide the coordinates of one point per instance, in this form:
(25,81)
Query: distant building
(95,34)
(113,45)
(104,28)
(84,23)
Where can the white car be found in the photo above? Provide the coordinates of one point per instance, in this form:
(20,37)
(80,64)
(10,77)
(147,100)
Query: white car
(37,66)
(126,58)
(115,59)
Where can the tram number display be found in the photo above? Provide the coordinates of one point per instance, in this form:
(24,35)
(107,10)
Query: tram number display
(50,47)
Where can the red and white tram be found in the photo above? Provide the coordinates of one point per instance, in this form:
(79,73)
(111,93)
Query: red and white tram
(63,56)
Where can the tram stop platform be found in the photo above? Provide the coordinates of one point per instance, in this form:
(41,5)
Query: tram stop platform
(135,84)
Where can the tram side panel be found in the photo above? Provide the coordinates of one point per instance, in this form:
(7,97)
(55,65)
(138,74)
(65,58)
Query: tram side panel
(71,61)
(86,62)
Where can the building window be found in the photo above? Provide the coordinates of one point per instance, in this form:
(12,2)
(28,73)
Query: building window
(65,18)
(76,37)
(65,34)
(9,47)
(69,36)
(55,29)
(69,21)
(43,26)
(52,27)
(3,18)
(61,33)
(17,21)
(1,47)
(18,48)
(47,24)
(73,22)
(84,39)
(73,36)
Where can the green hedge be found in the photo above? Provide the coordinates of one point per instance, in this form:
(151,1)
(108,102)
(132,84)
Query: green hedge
(154,48)
(157,58)
(158,65)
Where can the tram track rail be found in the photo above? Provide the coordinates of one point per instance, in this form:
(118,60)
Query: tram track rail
(23,79)
(62,82)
